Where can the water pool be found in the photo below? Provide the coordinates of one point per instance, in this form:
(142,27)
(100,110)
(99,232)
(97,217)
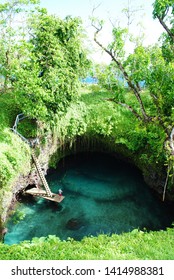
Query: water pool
(102,195)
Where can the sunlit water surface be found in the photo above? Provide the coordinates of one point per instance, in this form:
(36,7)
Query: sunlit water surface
(102,195)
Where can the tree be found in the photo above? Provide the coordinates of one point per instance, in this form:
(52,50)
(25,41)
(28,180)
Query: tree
(145,66)
(163,10)
(12,34)
(49,79)
(42,57)
(116,51)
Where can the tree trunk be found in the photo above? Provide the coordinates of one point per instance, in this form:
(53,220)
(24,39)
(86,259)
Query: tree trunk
(166,28)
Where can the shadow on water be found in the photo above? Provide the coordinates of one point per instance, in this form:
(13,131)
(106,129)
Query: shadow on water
(102,195)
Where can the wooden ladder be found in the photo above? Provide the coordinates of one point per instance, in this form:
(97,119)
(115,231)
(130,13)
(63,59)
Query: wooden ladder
(42,177)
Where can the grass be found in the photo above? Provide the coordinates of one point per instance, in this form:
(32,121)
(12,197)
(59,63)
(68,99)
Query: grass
(136,245)
(12,162)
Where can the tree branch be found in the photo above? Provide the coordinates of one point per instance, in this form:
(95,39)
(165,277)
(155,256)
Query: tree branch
(165,185)
(128,107)
(164,25)
(120,66)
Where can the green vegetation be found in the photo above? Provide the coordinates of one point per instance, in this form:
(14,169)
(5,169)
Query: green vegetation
(95,117)
(14,154)
(42,64)
(128,246)
(12,162)
(40,71)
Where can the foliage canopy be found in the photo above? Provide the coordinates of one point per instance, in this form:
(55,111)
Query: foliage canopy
(43,63)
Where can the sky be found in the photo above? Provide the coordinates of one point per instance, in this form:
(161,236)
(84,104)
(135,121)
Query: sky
(110,11)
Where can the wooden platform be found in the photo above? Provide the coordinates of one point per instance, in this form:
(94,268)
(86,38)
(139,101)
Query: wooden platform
(43,193)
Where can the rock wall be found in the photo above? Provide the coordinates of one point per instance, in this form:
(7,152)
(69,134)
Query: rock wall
(32,177)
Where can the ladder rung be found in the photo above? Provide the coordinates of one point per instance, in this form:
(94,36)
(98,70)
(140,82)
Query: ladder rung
(41,174)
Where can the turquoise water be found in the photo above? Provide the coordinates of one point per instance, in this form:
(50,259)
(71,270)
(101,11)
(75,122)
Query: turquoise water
(102,195)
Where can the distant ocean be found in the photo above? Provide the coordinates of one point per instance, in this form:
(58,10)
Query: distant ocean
(93,80)
(90,80)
